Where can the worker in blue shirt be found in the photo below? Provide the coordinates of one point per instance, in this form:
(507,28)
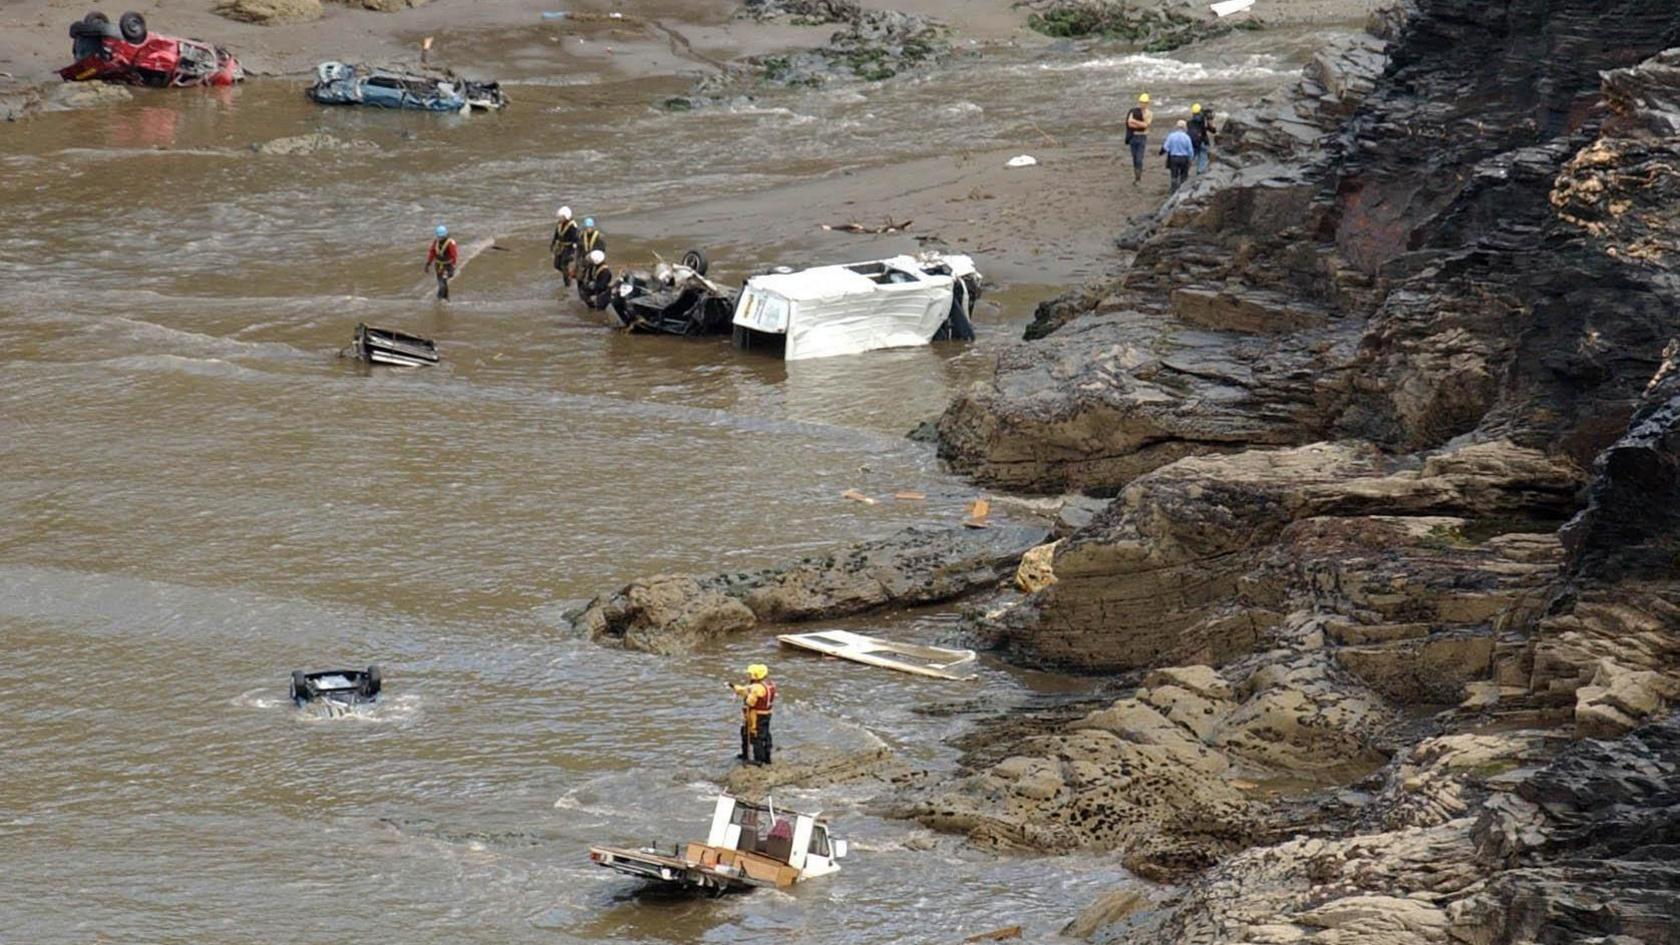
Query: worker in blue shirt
(1179,150)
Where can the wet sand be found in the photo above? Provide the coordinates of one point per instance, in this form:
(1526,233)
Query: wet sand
(1049,224)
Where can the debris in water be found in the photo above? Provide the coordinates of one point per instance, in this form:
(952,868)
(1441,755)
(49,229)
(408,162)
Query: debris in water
(978,510)
(1021,160)
(1036,571)
(910,496)
(857,496)
(936,661)
(854,227)
(1008,931)
(556,14)
(398,349)
(1228,7)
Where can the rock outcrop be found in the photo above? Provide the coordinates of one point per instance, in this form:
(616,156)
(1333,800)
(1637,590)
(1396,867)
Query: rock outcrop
(1406,279)
(872,45)
(1168,775)
(1203,559)
(1343,402)
(920,565)
(269,11)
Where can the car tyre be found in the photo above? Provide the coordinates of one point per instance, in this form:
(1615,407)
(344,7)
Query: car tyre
(300,686)
(696,260)
(373,682)
(133,27)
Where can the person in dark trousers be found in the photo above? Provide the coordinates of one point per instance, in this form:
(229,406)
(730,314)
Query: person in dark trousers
(1180,151)
(563,245)
(443,256)
(595,281)
(1137,135)
(590,241)
(758,699)
(1202,133)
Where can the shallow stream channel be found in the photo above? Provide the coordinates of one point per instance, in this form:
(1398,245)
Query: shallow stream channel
(200,495)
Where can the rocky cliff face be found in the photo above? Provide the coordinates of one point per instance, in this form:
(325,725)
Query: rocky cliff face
(1344,403)
(1402,276)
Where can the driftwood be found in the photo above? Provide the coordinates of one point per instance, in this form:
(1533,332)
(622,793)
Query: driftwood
(998,935)
(854,227)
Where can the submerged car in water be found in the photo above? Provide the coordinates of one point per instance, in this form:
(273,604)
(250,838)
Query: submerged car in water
(128,52)
(338,83)
(675,299)
(337,687)
(884,303)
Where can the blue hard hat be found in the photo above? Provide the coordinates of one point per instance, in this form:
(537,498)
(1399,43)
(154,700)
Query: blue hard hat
(588,221)
(442,231)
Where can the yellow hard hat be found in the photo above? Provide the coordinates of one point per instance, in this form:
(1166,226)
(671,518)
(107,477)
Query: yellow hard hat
(1196,109)
(1144,98)
(757,671)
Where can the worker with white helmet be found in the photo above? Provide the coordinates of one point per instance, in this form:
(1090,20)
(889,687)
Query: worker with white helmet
(595,282)
(563,245)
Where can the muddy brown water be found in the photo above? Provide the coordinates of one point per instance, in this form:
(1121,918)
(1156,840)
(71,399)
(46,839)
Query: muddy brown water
(200,496)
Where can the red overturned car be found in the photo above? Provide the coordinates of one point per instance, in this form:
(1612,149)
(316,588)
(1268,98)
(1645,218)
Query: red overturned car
(127,52)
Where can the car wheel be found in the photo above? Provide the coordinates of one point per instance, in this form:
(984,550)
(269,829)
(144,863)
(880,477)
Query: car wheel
(373,683)
(96,19)
(133,27)
(696,260)
(300,686)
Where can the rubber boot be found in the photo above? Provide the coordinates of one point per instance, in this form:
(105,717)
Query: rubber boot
(746,747)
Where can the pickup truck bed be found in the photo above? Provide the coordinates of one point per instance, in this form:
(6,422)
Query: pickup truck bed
(702,867)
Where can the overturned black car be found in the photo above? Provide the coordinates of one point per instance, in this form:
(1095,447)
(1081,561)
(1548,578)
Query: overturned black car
(341,687)
(675,299)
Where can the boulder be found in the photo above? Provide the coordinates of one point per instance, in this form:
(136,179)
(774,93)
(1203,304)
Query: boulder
(664,614)
(269,12)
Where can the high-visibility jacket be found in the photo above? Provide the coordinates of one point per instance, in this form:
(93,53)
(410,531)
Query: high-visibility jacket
(761,696)
(443,251)
(591,241)
(565,234)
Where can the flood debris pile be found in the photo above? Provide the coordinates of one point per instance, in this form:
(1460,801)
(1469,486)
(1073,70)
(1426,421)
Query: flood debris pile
(1389,415)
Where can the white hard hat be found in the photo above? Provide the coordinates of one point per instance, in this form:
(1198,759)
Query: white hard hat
(597,257)
(564,213)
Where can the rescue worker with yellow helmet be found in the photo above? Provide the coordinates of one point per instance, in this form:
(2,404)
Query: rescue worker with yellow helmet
(758,699)
(1137,134)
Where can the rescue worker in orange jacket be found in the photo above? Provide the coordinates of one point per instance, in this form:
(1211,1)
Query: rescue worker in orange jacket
(758,699)
(444,256)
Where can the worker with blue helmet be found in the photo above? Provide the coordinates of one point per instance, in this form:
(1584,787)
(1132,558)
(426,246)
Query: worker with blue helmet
(444,256)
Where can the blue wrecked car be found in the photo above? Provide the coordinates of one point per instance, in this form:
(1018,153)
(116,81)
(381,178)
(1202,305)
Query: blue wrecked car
(338,83)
